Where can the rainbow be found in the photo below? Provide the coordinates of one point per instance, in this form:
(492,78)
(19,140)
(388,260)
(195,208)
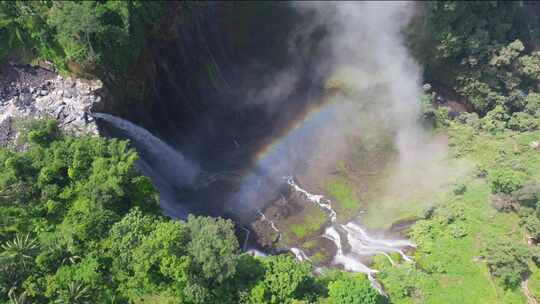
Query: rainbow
(281,156)
(312,117)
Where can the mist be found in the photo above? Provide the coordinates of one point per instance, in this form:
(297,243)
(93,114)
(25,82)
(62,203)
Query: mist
(376,87)
(348,82)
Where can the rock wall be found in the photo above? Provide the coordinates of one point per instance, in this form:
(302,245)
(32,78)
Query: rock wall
(34,92)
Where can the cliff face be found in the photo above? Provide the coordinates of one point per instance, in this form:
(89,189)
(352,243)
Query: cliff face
(219,82)
(199,80)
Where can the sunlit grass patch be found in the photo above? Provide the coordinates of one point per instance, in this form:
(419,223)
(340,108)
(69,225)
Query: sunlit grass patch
(343,195)
(312,221)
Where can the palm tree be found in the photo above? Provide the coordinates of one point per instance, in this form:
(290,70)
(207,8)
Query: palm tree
(75,294)
(20,250)
(16,299)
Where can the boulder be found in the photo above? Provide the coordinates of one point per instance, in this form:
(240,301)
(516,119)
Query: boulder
(34,92)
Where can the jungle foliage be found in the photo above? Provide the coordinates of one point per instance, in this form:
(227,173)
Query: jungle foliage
(97,37)
(485,51)
(80,225)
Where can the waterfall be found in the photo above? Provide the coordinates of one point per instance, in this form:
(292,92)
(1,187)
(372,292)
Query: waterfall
(161,154)
(299,254)
(165,166)
(256,253)
(318,199)
(265,219)
(361,244)
(349,262)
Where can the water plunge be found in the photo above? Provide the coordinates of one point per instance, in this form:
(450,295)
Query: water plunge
(247,137)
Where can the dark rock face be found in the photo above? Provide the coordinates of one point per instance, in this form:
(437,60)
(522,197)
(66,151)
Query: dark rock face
(33,92)
(219,82)
(197,83)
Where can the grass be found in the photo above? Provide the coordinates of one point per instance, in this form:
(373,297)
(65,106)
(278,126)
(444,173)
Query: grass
(343,195)
(534,282)
(449,267)
(453,271)
(312,221)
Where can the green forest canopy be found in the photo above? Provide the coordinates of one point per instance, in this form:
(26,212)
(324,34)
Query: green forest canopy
(80,225)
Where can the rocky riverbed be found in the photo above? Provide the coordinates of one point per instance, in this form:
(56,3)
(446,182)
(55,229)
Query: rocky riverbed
(28,91)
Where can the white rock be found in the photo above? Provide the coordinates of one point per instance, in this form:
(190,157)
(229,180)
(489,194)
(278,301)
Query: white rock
(66,99)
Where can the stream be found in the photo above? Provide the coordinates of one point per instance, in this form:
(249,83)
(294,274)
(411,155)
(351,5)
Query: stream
(355,237)
(170,171)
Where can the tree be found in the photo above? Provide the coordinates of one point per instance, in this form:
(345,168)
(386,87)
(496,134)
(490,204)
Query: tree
(74,294)
(161,264)
(24,32)
(16,299)
(480,49)
(453,36)
(507,261)
(284,280)
(102,37)
(126,236)
(353,290)
(213,247)
(17,261)
(76,24)
(505,180)
(20,251)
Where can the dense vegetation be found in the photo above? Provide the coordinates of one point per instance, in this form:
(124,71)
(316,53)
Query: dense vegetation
(80,225)
(102,38)
(483,50)
(476,242)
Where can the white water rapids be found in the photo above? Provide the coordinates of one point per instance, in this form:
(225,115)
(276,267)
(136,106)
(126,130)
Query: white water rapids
(360,243)
(299,254)
(265,219)
(168,169)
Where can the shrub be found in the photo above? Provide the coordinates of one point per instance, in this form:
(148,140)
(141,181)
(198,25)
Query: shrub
(470,119)
(353,290)
(502,202)
(505,180)
(529,194)
(41,132)
(507,261)
(531,223)
(495,120)
(521,121)
(532,105)
(434,116)
(460,188)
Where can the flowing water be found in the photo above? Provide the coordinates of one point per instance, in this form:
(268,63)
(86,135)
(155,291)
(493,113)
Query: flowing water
(300,254)
(168,169)
(358,240)
(265,219)
(318,199)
